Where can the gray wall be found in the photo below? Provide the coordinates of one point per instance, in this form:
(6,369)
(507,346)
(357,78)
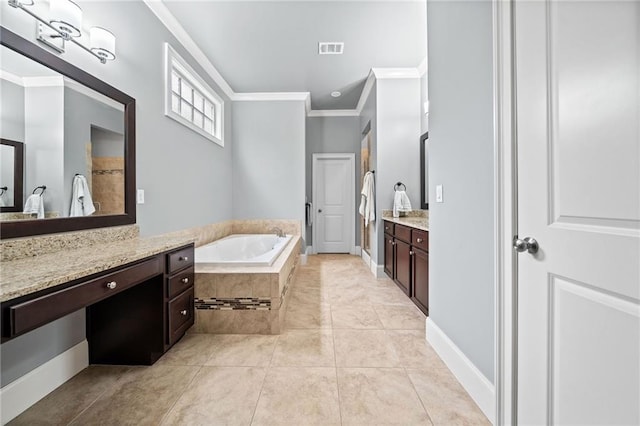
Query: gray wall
(11,111)
(80,113)
(175,165)
(269,160)
(105,143)
(44,144)
(333,135)
(398,144)
(369,116)
(461,299)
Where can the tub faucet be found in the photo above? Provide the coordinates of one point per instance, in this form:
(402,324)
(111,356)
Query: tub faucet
(278,232)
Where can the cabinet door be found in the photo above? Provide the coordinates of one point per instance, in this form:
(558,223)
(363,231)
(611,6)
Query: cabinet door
(420,280)
(388,256)
(403,266)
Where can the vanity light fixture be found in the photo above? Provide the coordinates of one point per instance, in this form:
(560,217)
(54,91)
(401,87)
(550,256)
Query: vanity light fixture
(66,25)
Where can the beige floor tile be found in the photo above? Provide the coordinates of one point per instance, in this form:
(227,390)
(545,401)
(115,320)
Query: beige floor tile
(299,396)
(355,317)
(308,315)
(62,405)
(379,396)
(304,348)
(242,350)
(414,350)
(394,317)
(307,295)
(192,349)
(364,348)
(219,395)
(339,295)
(445,399)
(141,396)
(383,295)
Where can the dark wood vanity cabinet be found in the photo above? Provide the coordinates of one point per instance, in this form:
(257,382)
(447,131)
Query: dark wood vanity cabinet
(135,312)
(406,261)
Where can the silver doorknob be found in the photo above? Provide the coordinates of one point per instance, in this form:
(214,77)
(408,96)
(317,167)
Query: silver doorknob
(528,244)
(111,285)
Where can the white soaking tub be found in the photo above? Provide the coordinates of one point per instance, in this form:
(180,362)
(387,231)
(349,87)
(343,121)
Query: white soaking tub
(242,250)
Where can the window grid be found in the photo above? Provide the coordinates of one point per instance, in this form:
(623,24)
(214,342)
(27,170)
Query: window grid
(191,104)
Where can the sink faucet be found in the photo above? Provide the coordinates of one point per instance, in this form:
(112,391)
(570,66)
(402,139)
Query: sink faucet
(278,232)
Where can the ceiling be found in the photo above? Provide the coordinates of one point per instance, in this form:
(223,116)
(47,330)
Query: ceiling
(272,46)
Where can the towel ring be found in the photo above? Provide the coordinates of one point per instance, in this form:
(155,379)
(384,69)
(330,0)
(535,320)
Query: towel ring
(398,185)
(3,189)
(43,188)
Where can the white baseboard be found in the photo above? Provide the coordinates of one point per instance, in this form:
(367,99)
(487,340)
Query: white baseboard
(303,259)
(309,250)
(366,258)
(358,251)
(378,270)
(22,393)
(474,382)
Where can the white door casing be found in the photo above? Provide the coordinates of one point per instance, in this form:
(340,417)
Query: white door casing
(578,194)
(334,203)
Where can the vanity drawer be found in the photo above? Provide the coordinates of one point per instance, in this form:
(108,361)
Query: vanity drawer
(388,227)
(180,282)
(36,312)
(420,239)
(180,315)
(403,233)
(180,259)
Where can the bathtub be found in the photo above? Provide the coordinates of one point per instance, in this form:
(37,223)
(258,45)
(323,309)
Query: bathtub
(242,250)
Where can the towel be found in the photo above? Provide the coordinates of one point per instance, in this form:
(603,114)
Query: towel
(34,205)
(81,203)
(401,203)
(367,202)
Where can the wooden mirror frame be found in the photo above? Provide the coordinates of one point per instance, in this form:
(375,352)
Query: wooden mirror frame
(18,175)
(24,228)
(424,199)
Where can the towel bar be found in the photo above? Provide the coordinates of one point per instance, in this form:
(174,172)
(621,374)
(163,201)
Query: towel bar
(398,185)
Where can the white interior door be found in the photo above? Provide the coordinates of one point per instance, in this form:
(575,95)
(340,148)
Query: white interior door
(333,195)
(578,132)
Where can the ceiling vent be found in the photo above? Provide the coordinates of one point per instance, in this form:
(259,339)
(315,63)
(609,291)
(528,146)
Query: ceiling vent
(330,48)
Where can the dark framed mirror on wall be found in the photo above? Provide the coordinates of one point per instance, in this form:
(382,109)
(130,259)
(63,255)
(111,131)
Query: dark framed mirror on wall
(70,124)
(424,171)
(11,175)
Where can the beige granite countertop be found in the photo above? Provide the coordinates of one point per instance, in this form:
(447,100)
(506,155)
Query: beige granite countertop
(29,275)
(413,222)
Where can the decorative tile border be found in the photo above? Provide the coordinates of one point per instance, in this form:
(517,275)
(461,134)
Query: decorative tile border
(233,304)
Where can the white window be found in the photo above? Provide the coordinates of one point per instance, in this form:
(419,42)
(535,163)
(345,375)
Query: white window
(190,101)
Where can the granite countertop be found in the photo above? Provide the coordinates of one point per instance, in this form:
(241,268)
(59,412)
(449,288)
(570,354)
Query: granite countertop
(29,275)
(413,222)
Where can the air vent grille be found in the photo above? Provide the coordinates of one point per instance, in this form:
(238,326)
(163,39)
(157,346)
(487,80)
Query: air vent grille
(330,48)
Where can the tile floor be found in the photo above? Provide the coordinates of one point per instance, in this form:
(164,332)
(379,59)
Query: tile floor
(353,352)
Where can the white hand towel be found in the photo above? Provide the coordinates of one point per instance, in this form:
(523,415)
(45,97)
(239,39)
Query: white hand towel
(401,203)
(367,203)
(34,205)
(81,203)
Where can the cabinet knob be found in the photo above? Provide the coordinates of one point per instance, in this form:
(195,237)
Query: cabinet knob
(411,253)
(183,312)
(420,240)
(185,280)
(111,285)
(183,259)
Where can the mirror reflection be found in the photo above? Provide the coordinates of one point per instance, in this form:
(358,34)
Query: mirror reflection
(73,138)
(424,170)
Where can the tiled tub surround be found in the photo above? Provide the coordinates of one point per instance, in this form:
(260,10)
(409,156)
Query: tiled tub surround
(245,299)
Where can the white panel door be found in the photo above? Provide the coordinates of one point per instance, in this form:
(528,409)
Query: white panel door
(333,195)
(578,143)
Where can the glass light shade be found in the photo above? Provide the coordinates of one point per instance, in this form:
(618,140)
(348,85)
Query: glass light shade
(66,17)
(25,2)
(103,43)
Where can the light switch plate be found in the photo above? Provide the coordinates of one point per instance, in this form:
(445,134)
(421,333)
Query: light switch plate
(439,194)
(140,196)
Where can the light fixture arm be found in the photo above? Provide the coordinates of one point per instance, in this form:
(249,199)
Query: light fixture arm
(18,5)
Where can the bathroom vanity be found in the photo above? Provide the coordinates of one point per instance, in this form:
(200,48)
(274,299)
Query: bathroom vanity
(138,295)
(406,257)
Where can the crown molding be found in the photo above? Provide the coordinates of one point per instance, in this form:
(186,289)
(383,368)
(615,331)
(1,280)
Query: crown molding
(422,68)
(389,73)
(171,23)
(90,93)
(366,91)
(11,78)
(272,96)
(333,113)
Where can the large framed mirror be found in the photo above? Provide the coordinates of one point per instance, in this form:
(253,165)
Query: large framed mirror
(72,126)
(424,171)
